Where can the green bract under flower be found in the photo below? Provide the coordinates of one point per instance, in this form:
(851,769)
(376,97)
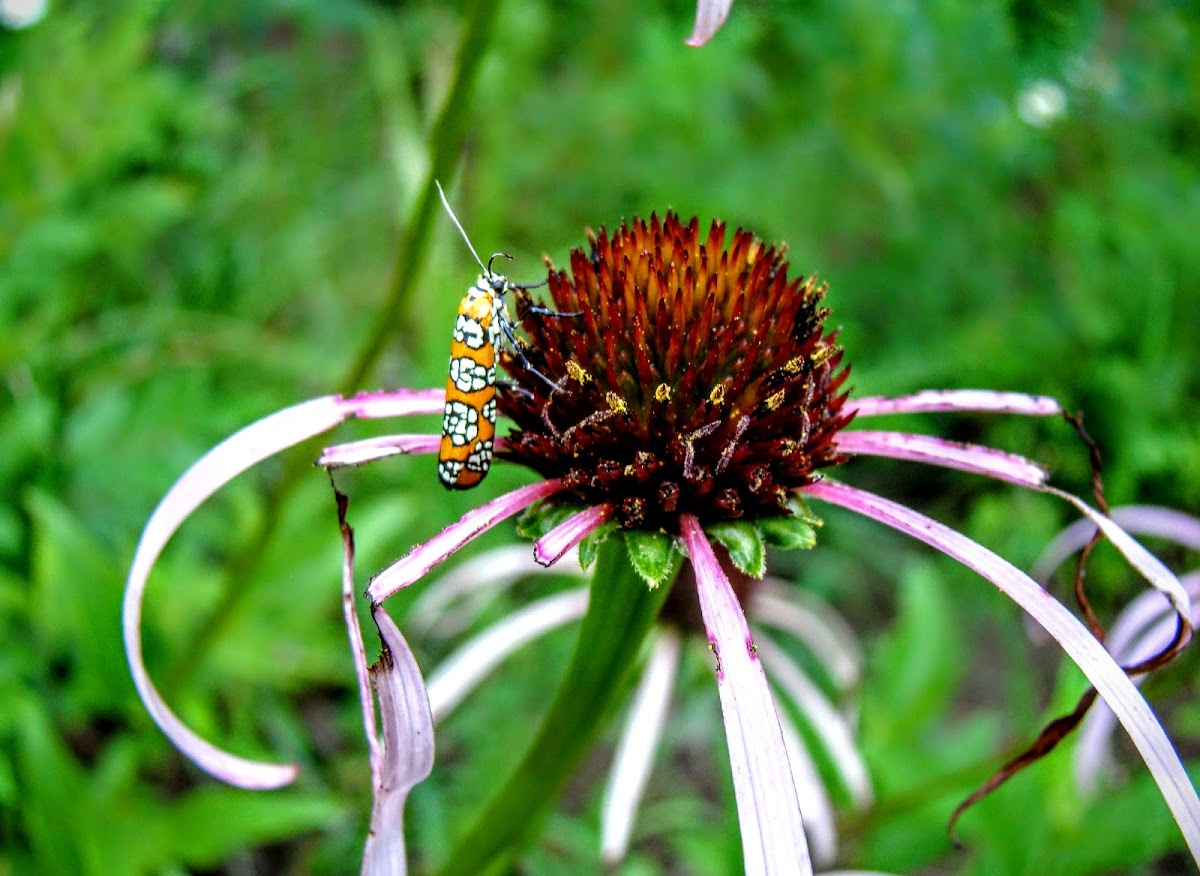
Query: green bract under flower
(696,378)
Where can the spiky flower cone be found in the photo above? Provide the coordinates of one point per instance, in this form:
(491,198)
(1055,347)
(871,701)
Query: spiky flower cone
(696,378)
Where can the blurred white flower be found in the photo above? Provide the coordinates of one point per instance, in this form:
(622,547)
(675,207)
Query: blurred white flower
(17,14)
(1041,103)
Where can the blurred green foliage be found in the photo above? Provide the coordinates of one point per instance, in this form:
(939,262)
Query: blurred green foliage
(199,213)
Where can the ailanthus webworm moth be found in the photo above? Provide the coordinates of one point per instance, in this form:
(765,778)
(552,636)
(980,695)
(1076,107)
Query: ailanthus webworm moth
(482,324)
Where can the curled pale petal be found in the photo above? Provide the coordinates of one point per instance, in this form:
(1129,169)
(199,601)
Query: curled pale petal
(768,809)
(450,604)
(371,449)
(710,15)
(220,465)
(1106,676)
(407,747)
(548,549)
(394,403)
(231,457)
(834,732)
(424,557)
(1141,630)
(1183,529)
(635,751)
(459,674)
(947,454)
(820,823)
(1125,640)
(1143,627)
(1147,565)
(934,400)
(822,630)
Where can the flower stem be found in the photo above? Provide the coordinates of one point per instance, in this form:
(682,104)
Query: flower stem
(445,144)
(621,611)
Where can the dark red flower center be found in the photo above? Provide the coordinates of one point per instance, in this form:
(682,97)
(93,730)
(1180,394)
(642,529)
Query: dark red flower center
(696,378)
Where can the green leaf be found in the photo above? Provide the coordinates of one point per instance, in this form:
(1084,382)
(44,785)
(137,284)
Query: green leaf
(54,811)
(788,533)
(214,822)
(916,662)
(654,555)
(744,543)
(590,546)
(76,583)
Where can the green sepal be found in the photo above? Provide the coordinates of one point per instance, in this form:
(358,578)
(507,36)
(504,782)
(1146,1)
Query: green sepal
(543,517)
(744,543)
(795,531)
(799,508)
(788,533)
(590,546)
(654,555)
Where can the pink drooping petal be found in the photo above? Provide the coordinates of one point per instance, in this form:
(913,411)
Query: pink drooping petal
(357,648)
(548,549)
(776,603)
(835,734)
(934,400)
(1141,630)
(768,809)
(710,15)
(219,466)
(407,728)
(947,454)
(454,601)
(1182,529)
(372,449)
(386,403)
(413,565)
(1103,672)
(820,822)
(463,670)
(640,738)
(1143,627)
(1093,751)
(1017,470)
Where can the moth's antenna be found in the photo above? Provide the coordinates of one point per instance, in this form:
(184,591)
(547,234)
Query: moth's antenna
(458,225)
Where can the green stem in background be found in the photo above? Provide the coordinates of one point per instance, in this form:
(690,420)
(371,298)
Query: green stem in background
(621,611)
(445,144)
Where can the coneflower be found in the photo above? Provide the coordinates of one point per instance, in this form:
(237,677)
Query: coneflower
(697,398)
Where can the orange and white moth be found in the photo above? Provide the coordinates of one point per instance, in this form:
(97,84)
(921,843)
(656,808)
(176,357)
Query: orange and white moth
(482,324)
(469,424)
